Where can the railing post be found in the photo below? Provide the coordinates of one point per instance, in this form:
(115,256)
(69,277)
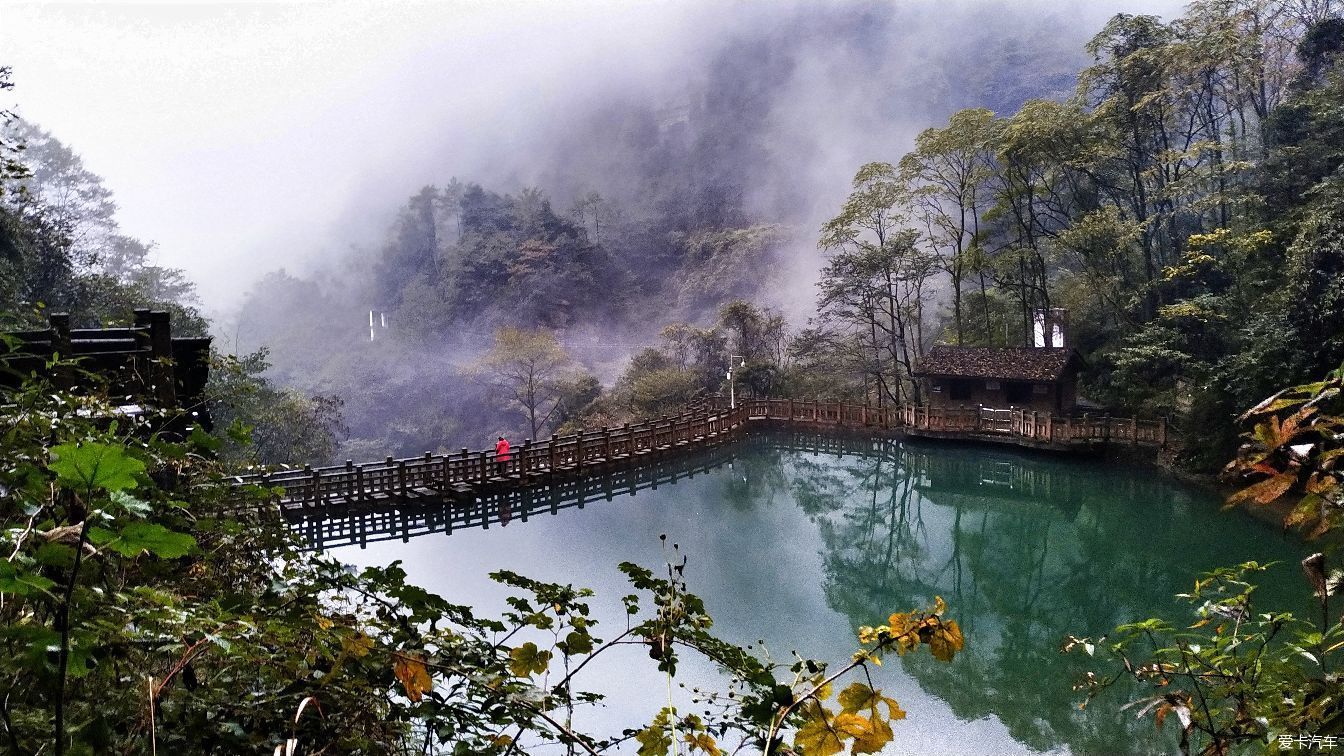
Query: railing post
(606,443)
(550,454)
(485,467)
(1134,431)
(790,409)
(629,440)
(401,478)
(359,483)
(578,450)
(525,461)
(349,478)
(314,480)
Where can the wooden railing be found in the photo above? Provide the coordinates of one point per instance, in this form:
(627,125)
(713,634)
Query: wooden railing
(465,473)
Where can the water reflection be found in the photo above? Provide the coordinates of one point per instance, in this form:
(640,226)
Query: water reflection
(754,473)
(1026,548)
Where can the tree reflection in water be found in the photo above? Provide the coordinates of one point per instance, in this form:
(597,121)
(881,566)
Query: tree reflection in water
(1026,549)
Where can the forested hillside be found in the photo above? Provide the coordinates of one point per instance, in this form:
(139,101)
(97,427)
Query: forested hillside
(1174,185)
(1180,201)
(650,209)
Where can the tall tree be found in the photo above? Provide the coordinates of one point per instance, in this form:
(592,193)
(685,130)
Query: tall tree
(947,175)
(876,281)
(526,367)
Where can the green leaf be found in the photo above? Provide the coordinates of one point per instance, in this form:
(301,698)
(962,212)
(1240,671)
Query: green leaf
(94,465)
(202,440)
(131,504)
(578,642)
(654,741)
(240,433)
(20,583)
(145,536)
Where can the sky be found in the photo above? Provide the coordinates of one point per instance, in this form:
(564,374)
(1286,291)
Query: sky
(242,138)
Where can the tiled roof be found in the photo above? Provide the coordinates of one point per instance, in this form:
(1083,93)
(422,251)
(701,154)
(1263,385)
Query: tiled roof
(1003,363)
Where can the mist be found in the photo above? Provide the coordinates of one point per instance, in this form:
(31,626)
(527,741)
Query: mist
(275,152)
(245,138)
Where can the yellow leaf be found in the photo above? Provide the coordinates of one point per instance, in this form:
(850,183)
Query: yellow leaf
(816,738)
(324,622)
(358,645)
(1266,490)
(701,741)
(848,725)
(939,606)
(946,641)
(824,691)
(413,674)
(858,697)
(875,739)
(900,623)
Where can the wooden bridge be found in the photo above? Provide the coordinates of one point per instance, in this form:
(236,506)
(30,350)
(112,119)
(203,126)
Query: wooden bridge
(467,476)
(364,525)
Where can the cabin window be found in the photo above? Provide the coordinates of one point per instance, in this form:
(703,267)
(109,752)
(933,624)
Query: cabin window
(1040,389)
(991,385)
(937,388)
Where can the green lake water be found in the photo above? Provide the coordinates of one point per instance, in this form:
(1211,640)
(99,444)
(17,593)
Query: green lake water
(792,543)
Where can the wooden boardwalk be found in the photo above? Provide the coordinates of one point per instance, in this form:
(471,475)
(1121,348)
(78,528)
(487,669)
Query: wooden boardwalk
(468,476)
(362,526)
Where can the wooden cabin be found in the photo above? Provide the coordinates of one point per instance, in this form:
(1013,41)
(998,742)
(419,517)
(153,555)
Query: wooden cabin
(1041,379)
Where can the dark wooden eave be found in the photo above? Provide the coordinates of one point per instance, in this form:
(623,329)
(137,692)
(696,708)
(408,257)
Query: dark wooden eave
(999,363)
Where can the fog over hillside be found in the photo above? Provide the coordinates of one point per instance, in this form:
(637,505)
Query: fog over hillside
(246,138)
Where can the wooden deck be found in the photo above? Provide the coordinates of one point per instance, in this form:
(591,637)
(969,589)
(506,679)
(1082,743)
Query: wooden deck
(467,476)
(361,526)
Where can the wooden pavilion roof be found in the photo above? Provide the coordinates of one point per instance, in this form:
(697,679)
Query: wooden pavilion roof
(999,363)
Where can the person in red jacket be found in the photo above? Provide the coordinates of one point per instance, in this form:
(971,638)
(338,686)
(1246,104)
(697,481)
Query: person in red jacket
(501,454)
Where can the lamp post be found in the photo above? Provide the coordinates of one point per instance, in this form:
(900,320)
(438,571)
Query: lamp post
(732,384)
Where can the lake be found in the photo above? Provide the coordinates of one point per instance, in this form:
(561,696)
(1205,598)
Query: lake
(797,540)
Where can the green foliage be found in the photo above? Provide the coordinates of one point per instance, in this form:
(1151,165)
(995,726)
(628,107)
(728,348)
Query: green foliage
(1237,675)
(259,423)
(94,466)
(1231,677)
(195,625)
(60,245)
